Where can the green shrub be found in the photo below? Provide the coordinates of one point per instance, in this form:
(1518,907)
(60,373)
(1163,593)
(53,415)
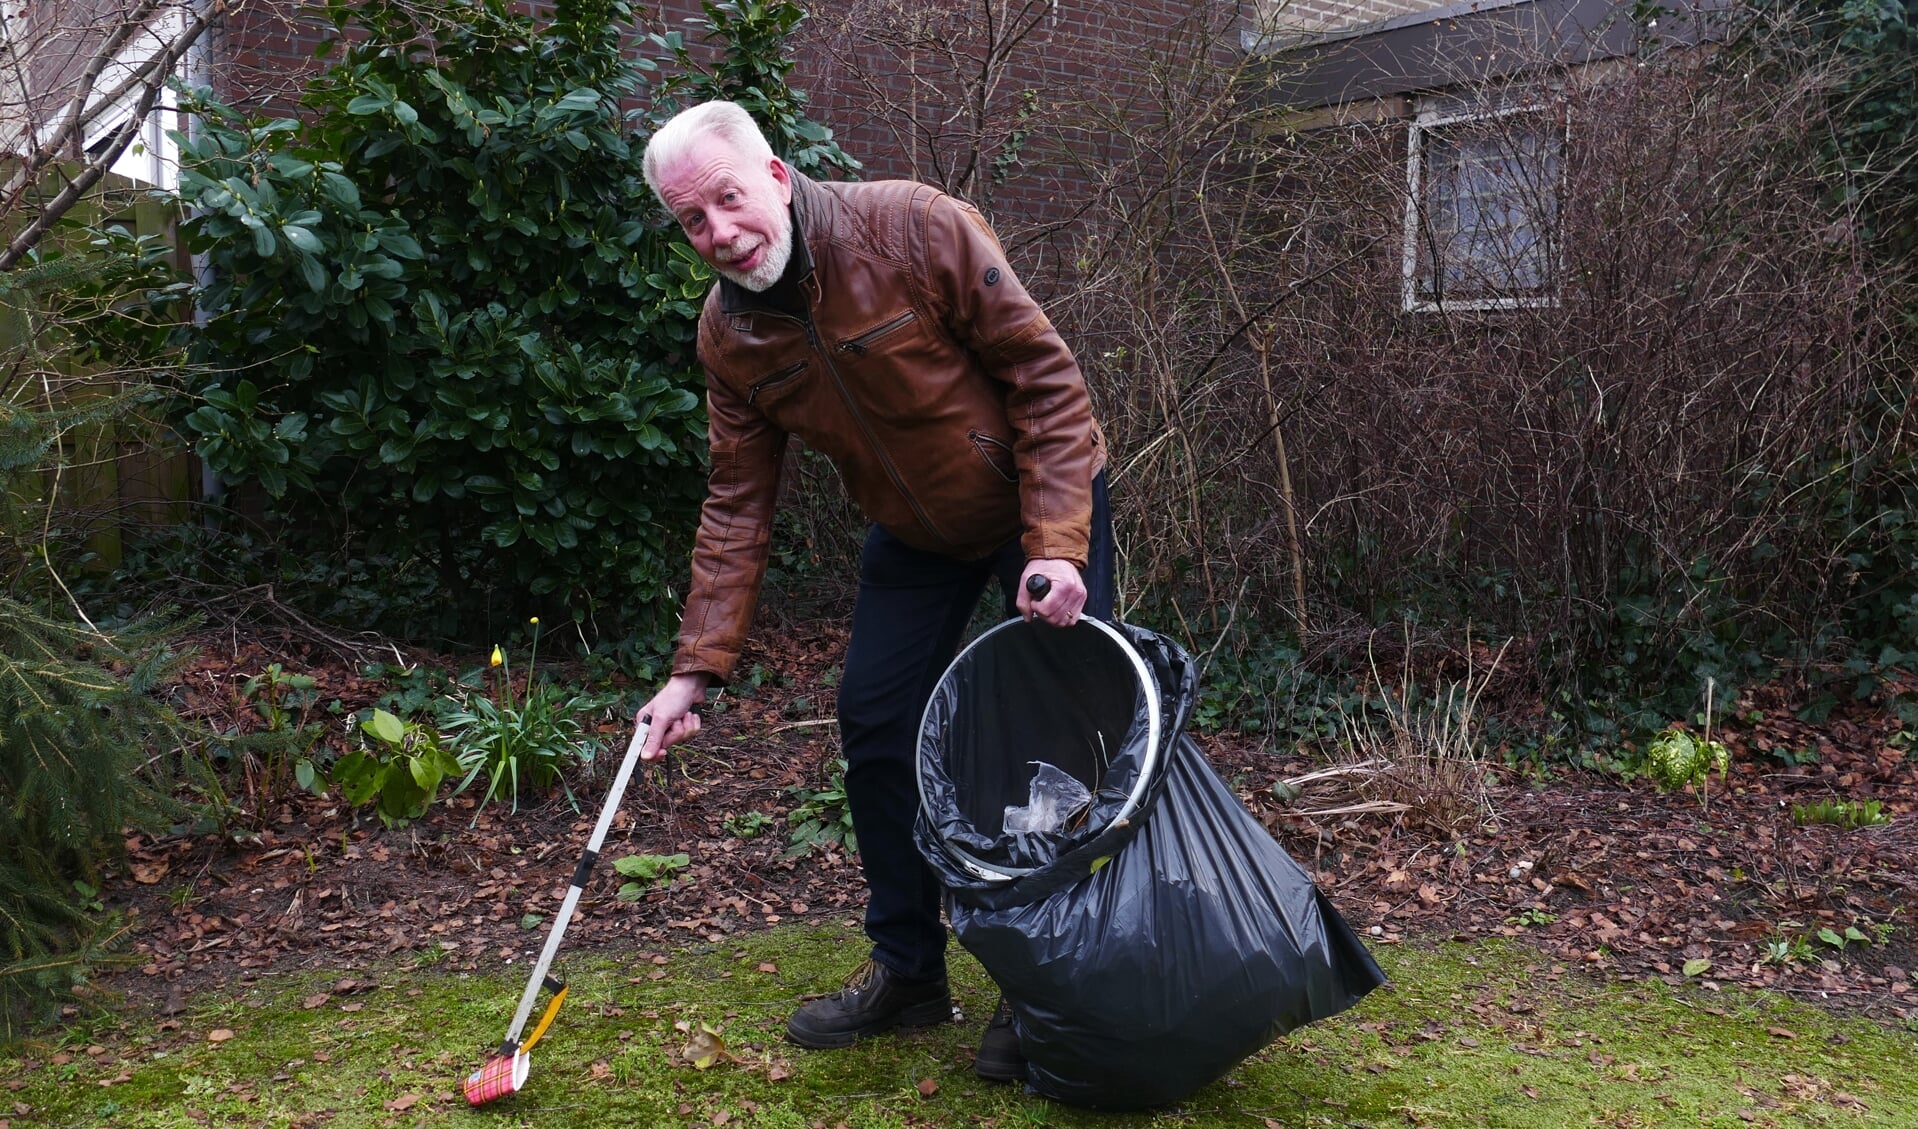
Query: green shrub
(1676,759)
(1849,814)
(648,871)
(287,744)
(399,771)
(450,325)
(822,817)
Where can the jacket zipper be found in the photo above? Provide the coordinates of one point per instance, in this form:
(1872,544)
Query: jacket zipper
(779,377)
(860,343)
(865,429)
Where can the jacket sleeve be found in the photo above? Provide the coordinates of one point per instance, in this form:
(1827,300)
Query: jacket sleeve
(1057,445)
(735,533)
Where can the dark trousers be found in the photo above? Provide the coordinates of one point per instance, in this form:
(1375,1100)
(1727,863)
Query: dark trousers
(913,607)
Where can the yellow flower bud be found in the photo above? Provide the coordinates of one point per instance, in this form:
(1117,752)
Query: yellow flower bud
(534,621)
(497,657)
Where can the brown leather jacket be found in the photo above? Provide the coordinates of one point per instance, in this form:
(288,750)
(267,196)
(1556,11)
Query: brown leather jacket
(956,416)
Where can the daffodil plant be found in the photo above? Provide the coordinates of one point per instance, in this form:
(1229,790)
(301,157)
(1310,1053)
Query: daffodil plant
(516,740)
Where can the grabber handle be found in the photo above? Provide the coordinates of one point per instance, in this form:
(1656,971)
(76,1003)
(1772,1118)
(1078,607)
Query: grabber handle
(510,1045)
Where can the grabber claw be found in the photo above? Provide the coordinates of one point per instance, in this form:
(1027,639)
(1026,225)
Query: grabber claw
(505,1072)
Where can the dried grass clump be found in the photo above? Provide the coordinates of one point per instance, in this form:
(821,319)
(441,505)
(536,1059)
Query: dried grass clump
(1419,759)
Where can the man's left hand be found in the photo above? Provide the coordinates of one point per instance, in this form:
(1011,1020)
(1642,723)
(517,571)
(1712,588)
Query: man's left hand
(1063,603)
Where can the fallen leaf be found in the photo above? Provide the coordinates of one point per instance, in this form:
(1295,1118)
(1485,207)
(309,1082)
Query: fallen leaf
(148,874)
(1697,966)
(766,966)
(402,1103)
(219,1035)
(778,1073)
(312,1002)
(927,1087)
(706,1049)
(1781,1032)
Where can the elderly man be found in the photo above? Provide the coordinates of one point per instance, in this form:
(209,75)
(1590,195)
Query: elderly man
(879,323)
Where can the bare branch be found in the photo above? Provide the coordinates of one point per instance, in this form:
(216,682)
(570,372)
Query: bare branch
(84,104)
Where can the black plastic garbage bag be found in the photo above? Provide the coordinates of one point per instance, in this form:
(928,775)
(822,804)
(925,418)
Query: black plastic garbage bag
(1157,934)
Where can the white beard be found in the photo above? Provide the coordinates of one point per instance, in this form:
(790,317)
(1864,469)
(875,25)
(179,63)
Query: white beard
(772,265)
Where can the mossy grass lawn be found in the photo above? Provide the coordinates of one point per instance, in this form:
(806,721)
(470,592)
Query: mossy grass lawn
(1467,1035)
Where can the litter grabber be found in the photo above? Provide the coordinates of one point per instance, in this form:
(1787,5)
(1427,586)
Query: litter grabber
(505,1072)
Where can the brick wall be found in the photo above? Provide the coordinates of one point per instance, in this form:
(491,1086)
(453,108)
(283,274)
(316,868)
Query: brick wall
(931,91)
(921,89)
(889,95)
(264,54)
(941,92)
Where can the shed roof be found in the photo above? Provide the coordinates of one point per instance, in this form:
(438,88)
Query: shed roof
(1433,45)
(1299,20)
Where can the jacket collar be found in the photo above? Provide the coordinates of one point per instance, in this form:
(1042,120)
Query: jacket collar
(736,299)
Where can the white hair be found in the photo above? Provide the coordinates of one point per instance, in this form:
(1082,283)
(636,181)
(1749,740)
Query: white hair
(725,121)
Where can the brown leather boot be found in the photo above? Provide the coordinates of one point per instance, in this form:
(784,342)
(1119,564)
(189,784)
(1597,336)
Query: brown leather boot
(874,999)
(998,1058)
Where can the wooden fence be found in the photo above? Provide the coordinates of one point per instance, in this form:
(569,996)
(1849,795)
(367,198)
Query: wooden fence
(112,479)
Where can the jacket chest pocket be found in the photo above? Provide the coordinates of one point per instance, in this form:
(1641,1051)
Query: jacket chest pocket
(773,383)
(862,343)
(902,370)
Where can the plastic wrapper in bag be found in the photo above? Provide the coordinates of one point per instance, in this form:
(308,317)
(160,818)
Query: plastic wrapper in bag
(1150,945)
(1056,797)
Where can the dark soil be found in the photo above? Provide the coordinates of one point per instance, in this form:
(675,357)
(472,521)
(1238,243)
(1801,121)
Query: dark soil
(1599,873)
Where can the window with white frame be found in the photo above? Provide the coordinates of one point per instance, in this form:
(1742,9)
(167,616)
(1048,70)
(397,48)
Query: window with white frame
(152,157)
(1481,216)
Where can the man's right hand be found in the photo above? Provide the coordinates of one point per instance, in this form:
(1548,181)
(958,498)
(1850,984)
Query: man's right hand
(671,711)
